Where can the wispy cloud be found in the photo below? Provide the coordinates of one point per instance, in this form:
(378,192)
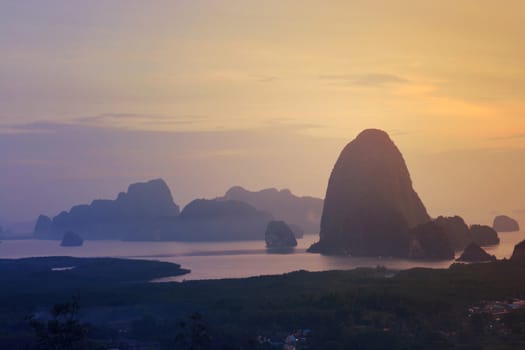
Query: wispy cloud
(368,80)
(216,153)
(31,128)
(156,123)
(265,78)
(33,162)
(122,121)
(239,76)
(509,137)
(143,122)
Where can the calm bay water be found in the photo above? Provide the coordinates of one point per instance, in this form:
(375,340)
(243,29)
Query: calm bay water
(210,260)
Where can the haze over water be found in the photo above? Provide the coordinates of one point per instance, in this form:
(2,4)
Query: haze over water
(212,260)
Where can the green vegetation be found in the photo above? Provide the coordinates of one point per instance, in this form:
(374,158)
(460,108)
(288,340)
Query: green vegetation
(358,309)
(62,331)
(51,273)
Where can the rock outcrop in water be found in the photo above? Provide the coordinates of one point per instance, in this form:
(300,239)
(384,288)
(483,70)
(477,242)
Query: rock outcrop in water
(304,212)
(71,239)
(220,220)
(460,235)
(456,230)
(474,253)
(429,241)
(279,235)
(134,215)
(504,223)
(484,235)
(370,204)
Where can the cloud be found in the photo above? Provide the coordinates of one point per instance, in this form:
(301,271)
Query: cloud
(31,128)
(156,123)
(33,162)
(130,121)
(509,137)
(215,154)
(121,121)
(237,76)
(189,119)
(265,78)
(368,80)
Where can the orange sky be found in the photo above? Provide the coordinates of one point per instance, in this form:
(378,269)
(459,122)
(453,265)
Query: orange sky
(445,78)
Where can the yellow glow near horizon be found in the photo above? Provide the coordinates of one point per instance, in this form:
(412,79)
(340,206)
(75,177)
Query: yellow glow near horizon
(440,76)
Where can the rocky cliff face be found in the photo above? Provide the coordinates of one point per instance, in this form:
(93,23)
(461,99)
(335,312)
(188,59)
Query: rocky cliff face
(504,223)
(220,220)
(44,227)
(430,241)
(304,212)
(518,255)
(370,204)
(133,215)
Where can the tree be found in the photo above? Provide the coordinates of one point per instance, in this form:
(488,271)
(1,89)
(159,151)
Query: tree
(63,331)
(193,334)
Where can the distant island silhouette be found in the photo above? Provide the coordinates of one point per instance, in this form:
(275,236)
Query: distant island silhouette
(371,209)
(147,212)
(303,212)
(504,223)
(132,215)
(219,220)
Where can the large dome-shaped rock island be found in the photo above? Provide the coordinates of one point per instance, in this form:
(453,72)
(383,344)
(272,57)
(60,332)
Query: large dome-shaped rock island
(132,215)
(474,253)
(303,213)
(279,235)
(71,239)
(504,223)
(370,204)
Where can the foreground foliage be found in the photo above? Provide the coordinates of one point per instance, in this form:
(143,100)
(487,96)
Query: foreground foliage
(358,309)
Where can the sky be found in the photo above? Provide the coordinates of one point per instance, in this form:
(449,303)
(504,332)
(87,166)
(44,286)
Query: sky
(95,95)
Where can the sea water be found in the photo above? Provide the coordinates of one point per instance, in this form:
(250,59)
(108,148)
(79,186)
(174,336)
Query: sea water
(212,260)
